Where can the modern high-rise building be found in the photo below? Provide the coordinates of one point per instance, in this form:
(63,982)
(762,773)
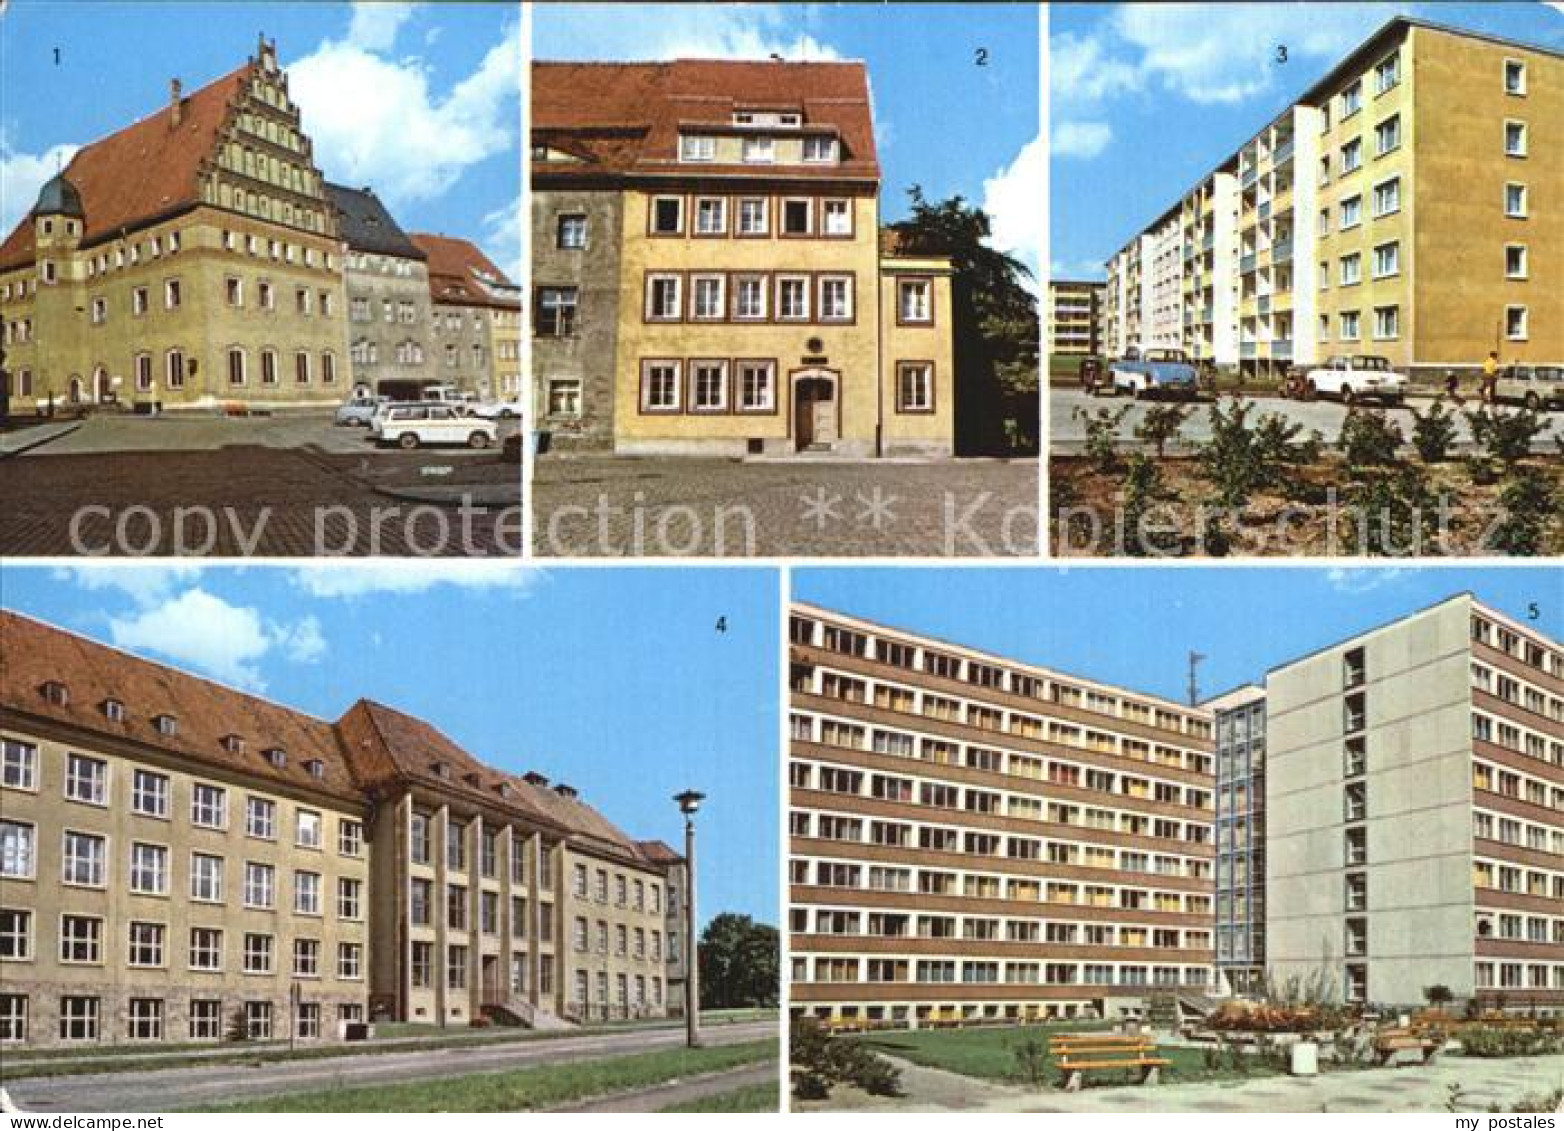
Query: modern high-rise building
(974,837)
(1404,206)
(180,861)
(710,269)
(191,258)
(1074,317)
(1240,837)
(1414,811)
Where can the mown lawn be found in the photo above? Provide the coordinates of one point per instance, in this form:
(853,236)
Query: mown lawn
(528,1089)
(989,1054)
(754,1097)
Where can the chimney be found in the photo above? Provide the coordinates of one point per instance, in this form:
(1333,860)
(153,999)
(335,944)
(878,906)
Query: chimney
(566,790)
(176,108)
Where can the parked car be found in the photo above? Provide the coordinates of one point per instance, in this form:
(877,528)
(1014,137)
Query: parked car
(1535,386)
(411,425)
(358,412)
(1156,371)
(1356,377)
(449,394)
(499,410)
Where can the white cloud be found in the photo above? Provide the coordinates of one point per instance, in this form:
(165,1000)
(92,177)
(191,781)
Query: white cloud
(1354,581)
(669,31)
(1081,269)
(22,175)
(207,633)
(502,238)
(411,577)
(143,584)
(375,25)
(379,121)
(1083,140)
(1014,200)
(1080,70)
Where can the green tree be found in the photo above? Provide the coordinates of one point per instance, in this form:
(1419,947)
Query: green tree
(1530,506)
(1161,424)
(1433,432)
(740,963)
(995,324)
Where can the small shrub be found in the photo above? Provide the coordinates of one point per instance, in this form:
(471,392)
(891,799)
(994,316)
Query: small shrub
(1433,432)
(1143,489)
(1488,1041)
(1369,438)
(238,1026)
(1160,425)
(1032,1061)
(1394,513)
(1530,504)
(820,1060)
(1230,460)
(1102,436)
(1437,995)
(1506,436)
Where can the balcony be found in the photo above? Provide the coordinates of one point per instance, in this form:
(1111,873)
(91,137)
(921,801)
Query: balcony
(1281,251)
(1281,349)
(1248,177)
(1263,306)
(1246,264)
(1247,350)
(1208,242)
(1265,210)
(1283,153)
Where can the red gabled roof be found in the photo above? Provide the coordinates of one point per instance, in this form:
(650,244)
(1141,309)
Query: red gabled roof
(658,852)
(146,170)
(624,118)
(33,653)
(458,271)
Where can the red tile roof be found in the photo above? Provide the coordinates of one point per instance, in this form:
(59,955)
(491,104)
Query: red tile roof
(145,171)
(458,271)
(660,853)
(33,653)
(624,118)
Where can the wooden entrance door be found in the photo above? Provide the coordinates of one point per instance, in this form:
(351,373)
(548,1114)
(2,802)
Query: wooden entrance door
(814,410)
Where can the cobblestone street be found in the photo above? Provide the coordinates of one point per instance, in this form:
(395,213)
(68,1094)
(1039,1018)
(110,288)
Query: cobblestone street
(617,507)
(281,487)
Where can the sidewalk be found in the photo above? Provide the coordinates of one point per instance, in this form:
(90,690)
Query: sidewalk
(26,439)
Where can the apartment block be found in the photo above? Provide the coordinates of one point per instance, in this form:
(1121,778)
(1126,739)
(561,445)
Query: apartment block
(1414,798)
(476,321)
(180,861)
(711,269)
(1400,208)
(189,259)
(1074,317)
(1240,837)
(972,837)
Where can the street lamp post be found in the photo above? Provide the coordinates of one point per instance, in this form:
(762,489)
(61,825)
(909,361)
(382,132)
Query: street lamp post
(690,801)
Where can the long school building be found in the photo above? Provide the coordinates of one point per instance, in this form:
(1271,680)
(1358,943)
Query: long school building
(180,861)
(710,272)
(1406,205)
(973,837)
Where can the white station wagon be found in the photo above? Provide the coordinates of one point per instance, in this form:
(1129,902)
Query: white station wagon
(411,425)
(1355,378)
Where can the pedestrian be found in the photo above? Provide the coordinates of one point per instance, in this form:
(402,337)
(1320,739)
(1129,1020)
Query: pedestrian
(1490,378)
(1452,386)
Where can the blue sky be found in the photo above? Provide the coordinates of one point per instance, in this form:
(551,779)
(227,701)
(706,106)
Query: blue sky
(1172,89)
(614,680)
(943,122)
(1135,627)
(421,101)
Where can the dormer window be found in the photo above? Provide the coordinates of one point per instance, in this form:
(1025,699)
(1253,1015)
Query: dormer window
(233,744)
(697,147)
(473,779)
(166,724)
(505,790)
(820,150)
(441,771)
(760,150)
(276,757)
(56,694)
(114,710)
(315,768)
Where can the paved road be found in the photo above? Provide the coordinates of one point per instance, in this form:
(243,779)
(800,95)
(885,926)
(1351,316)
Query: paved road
(678,507)
(665,1096)
(1067,435)
(282,486)
(1410,1089)
(177,1088)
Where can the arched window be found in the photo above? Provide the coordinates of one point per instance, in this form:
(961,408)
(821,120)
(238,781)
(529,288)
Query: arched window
(236,366)
(174,368)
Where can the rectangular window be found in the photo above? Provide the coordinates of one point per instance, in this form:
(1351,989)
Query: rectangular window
(708,300)
(206,878)
(571,232)
(146,944)
(85,860)
(1349,326)
(149,794)
(1387,197)
(836,217)
(556,317)
(306,958)
(143,372)
(1515,200)
(206,948)
(1515,261)
(914,386)
(697,147)
(173,294)
(13,1019)
(260,885)
(16,934)
(820,150)
(81,939)
(1351,269)
(1515,77)
(257,954)
(1514,139)
(79,1018)
(1515,323)
(306,832)
(564,396)
(86,779)
(209,806)
(17,850)
(1387,73)
(797,217)
(258,1020)
(792,298)
(1352,100)
(913,301)
(664,298)
(350,961)
(1387,135)
(757,386)
(667,215)
(206,1019)
(138,300)
(149,869)
(1351,212)
(749,298)
(350,898)
(1352,156)
(660,386)
(306,893)
(301,368)
(708,386)
(759,150)
(1387,260)
(18,764)
(754,216)
(260,818)
(711,216)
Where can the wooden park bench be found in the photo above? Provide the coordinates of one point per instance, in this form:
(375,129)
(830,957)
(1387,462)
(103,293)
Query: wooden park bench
(944,1019)
(1076,1054)
(837,1025)
(1389,1044)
